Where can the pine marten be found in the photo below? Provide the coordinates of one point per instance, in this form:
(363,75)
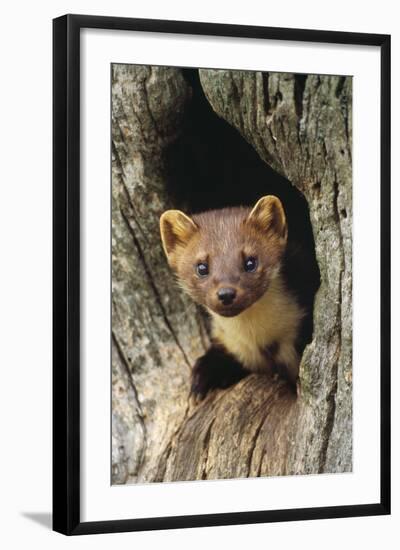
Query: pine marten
(233,261)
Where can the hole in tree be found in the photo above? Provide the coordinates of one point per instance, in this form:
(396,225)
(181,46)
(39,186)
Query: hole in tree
(212,166)
(317,186)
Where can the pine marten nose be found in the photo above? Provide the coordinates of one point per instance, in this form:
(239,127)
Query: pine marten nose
(226,295)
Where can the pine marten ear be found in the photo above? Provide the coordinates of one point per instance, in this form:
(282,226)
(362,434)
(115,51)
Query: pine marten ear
(176,229)
(268,214)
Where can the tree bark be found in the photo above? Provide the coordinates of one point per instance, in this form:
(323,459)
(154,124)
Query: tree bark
(157,332)
(301,126)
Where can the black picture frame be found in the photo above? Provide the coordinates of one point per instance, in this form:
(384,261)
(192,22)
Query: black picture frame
(66,273)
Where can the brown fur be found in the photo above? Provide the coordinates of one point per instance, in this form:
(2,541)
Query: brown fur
(263,313)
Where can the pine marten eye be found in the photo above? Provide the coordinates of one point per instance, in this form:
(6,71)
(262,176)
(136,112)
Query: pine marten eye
(250,264)
(202,269)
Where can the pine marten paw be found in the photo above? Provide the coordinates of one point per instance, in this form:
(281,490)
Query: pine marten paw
(215,369)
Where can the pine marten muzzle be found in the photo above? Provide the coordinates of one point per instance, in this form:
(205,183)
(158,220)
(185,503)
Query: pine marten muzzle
(230,261)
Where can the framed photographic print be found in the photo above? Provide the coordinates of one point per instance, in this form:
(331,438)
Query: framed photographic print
(221,274)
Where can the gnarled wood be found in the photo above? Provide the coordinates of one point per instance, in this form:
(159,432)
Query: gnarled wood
(301,126)
(157,331)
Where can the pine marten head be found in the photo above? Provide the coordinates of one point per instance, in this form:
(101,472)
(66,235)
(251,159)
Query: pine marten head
(226,259)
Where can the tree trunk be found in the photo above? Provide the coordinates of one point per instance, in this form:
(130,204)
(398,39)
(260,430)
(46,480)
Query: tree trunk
(301,127)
